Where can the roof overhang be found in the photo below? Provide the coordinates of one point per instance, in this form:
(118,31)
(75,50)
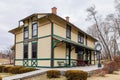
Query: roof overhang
(16,29)
(72,42)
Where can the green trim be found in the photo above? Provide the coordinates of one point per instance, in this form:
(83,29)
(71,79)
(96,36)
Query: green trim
(36,67)
(45,59)
(90,57)
(44,36)
(52,45)
(19,42)
(71,42)
(56,42)
(68,53)
(34,38)
(86,55)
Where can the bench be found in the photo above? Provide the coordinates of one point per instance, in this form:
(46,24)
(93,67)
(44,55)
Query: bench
(74,63)
(61,63)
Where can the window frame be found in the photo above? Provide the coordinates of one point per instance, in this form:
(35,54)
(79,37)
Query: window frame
(34,46)
(25,51)
(26,32)
(34,30)
(86,40)
(80,38)
(68,32)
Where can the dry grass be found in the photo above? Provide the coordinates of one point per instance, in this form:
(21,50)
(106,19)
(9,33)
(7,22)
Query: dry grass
(5,74)
(114,76)
(43,77)
(4,60)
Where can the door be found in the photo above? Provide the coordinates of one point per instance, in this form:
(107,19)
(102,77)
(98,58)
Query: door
(68,55)
(80,58)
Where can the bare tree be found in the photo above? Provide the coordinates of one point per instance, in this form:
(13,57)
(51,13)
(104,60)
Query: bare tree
(112,20)
(10,54)
(92,15)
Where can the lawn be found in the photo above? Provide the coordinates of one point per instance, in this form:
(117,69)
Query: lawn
(5,74)
(114,76)
(43,77)
(4,60)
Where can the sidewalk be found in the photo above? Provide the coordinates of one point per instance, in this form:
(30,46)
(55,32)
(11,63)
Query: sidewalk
(43,70)
(84,68)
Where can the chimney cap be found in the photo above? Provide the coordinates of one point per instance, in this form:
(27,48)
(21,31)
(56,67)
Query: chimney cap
(54,10)
(67,18)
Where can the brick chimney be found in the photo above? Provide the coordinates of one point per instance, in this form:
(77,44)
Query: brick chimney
(67,18)
(54,10)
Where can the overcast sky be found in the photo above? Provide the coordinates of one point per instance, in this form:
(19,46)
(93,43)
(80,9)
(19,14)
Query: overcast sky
(11,11)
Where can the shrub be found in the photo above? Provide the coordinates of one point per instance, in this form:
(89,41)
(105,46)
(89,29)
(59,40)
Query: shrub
(110,67)
(6,69)
(24,70)
(116,58)
(53,74)
(0,78)
(15,69)
(76,75)
(1,68)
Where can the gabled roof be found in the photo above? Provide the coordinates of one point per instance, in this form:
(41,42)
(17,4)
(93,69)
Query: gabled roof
(35,14)
(51,14)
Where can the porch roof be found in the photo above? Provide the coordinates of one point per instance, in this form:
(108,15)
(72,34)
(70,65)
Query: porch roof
(72,42)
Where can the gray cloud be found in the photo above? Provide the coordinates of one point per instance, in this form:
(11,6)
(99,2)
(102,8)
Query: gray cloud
(11,11)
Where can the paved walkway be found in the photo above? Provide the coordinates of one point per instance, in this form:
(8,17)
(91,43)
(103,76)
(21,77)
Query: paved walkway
(24,75)
(84,68)
(43,70)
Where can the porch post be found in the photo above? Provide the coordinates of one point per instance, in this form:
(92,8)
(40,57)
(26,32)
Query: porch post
(69,55)
(90,58)
(52,45)
(94,57)
(86,55)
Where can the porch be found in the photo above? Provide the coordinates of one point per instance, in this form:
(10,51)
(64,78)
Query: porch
(85,55)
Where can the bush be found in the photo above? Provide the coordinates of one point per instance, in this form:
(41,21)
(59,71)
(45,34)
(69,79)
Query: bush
(6,69)
(15,69)
(76,75)
(1,68)
(0,78)
(24,70)
(110,67)
(116,58)
(53,74)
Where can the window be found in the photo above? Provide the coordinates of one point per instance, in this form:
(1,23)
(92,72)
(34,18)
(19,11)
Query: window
(34,30)
(81,38)
(86,40)
(68,32)
(34,50)
(26,33)
(25,51)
